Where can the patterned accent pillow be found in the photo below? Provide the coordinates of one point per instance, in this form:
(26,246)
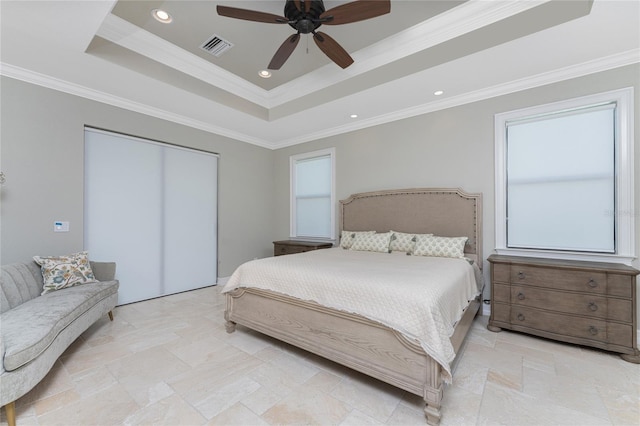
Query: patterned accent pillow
(372,242)
(65,271)
(401,241)
(347,237)
(430,245)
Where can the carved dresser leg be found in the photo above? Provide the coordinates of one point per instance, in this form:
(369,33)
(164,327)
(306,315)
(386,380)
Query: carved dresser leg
(110,313)
(634,357)
(494,328)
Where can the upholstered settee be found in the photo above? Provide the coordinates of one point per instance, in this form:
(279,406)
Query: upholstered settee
(35,328)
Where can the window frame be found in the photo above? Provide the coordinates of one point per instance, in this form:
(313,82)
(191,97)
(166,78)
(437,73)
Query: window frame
(293,159)
(624,180)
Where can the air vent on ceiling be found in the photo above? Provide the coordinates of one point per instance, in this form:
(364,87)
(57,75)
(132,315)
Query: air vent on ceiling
(216,45)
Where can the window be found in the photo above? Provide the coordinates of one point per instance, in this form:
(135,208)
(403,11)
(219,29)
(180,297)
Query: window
(564,179)
(312,194)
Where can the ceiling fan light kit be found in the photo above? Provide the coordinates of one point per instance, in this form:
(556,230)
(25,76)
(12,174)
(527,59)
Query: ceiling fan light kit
(305,16)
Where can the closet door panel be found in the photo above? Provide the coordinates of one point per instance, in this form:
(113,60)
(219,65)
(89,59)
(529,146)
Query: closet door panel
(190,212)
(122,200)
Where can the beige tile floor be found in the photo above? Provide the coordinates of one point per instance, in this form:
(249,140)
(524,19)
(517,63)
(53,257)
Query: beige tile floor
(169,361)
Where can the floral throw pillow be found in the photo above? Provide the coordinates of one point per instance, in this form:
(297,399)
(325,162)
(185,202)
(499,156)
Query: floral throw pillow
(65,271)
(401,241)
(430,245)
(347,237)
(372,242)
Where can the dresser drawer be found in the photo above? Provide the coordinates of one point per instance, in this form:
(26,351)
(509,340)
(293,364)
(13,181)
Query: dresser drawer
(566,325)
(571,280)
(571,303)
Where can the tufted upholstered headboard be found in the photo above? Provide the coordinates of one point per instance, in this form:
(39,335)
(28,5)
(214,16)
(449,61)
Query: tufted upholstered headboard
(446,212)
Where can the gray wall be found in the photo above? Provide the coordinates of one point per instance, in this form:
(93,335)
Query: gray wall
(449,148)
(42,150)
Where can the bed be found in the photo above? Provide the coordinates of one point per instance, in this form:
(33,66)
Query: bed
(364,342)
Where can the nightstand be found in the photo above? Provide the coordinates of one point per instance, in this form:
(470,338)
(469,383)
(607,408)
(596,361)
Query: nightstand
(295,246)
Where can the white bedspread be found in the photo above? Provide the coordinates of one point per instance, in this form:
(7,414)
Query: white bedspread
(421,297)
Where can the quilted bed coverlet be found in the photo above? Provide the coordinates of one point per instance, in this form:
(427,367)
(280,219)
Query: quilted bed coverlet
(420,297)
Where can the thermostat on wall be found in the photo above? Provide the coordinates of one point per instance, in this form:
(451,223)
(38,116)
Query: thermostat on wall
(60,226)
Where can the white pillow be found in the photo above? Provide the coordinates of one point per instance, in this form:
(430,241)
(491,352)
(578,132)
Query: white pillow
(430,245)
(347,237)
(372,242)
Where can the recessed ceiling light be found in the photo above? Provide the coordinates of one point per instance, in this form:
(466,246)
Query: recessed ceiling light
(438,92)
(353,116)
(161,16)
(264,74)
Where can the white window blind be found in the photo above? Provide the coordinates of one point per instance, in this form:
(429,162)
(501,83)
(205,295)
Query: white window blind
(561,181)
(564,179)
(312,195)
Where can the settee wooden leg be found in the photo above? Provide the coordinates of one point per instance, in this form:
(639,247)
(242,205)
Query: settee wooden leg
(110,313)
(10,410)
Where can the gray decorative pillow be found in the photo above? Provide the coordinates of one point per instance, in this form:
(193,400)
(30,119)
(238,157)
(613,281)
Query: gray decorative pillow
(430,245)
(65,271)
(372,242)
(347,237)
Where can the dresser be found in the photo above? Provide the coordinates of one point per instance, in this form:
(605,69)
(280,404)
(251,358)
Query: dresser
(586,303)
(296,246)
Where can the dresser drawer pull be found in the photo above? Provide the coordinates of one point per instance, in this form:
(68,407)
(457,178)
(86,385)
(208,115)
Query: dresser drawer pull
(593,307)
(592,283)
(520,296)
(520,317)
(593,330)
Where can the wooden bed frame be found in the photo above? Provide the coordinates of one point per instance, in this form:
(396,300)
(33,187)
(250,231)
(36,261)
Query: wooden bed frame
(355,341)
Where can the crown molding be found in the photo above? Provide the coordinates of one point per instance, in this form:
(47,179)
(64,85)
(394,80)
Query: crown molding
(602,64)
(574,71)
(49,82)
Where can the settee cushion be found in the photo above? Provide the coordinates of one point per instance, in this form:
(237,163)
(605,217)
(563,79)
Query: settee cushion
(29,328)
(19,282)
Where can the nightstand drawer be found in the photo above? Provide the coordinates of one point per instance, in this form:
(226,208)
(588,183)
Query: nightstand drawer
(295,246)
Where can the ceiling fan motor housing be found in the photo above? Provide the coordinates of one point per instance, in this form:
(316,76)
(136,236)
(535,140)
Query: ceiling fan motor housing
(302,21)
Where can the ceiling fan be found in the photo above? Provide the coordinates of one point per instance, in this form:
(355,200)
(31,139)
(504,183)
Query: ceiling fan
(305,16)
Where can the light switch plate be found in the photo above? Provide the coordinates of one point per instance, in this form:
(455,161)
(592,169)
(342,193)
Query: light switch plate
(60,226)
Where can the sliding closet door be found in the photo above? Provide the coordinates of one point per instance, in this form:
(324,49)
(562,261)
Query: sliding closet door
(152,209)
(190,220)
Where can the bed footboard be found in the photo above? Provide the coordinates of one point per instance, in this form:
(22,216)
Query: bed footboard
(345,338)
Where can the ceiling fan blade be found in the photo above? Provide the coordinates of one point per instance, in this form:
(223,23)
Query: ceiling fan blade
(250,15)
(332,49)
(284,52)
(297,3)
(356,11)
(307,5)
